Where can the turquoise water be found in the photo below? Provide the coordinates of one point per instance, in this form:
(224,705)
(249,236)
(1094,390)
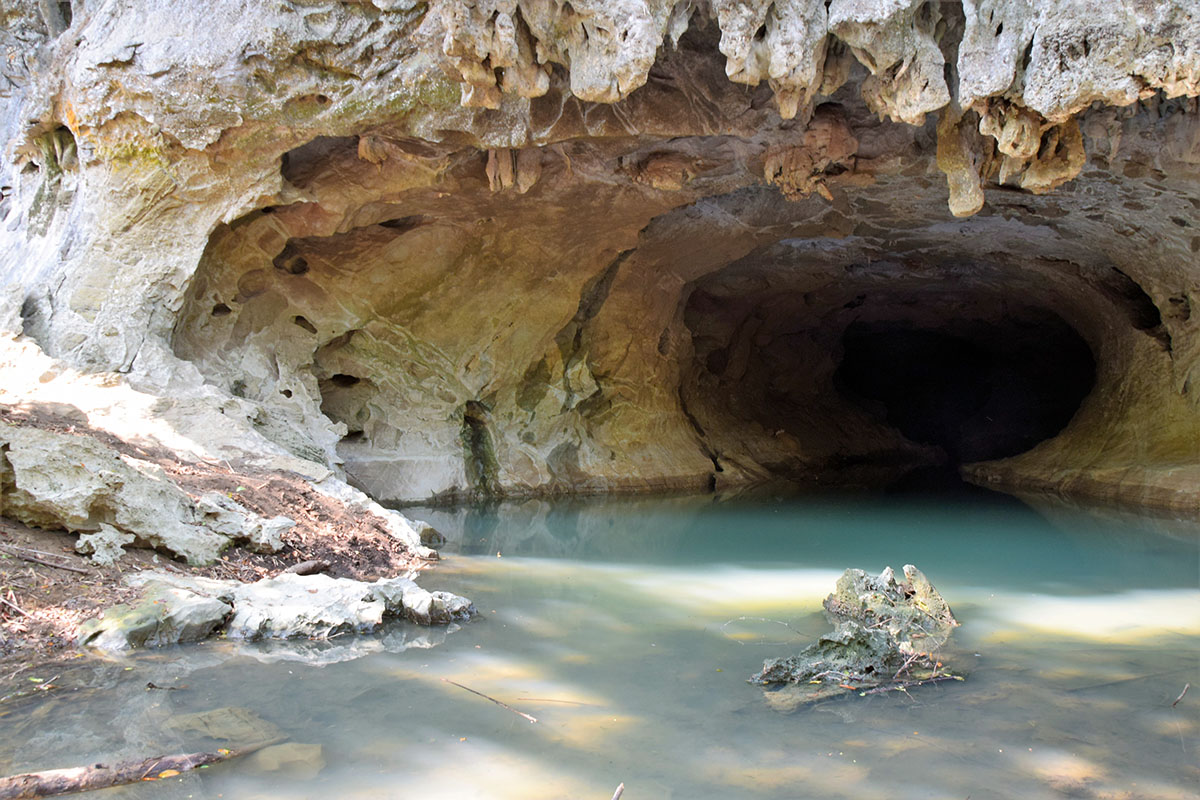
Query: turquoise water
(627,628)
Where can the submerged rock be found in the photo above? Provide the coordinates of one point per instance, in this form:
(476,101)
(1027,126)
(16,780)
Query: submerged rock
(227,724)
(179,608)
(887,636)
(298,761)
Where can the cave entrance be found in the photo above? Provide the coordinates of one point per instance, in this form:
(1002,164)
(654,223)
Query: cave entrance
(976,390)
(859,380)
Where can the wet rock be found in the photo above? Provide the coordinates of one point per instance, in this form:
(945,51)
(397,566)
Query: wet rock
(289,605)
(888,633)
(165,615)
(308,606)
(317,606)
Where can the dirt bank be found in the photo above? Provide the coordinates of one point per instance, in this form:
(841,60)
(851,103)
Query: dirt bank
(47,590)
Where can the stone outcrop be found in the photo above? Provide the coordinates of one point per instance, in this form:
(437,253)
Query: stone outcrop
(455,249)
(76,483)
(175,609)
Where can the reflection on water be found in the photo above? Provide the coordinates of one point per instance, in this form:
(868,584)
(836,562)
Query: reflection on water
(628,628)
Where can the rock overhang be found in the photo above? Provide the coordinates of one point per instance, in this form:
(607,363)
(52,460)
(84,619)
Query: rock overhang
(450,297)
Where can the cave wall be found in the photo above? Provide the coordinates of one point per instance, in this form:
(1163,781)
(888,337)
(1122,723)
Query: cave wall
(456,249)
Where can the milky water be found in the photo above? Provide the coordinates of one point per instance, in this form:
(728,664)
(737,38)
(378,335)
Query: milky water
(627,628)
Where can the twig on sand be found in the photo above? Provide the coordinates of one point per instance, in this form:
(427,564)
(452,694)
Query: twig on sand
(620,791)
(100,776)
(1186,686)
(18,609)
(494,700)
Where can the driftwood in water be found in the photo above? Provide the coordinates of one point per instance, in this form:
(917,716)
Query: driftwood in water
(488,697)
(52,782)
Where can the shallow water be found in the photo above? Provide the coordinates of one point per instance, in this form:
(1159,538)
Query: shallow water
(628,628)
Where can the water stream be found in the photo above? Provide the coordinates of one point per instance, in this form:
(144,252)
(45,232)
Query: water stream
(627,628)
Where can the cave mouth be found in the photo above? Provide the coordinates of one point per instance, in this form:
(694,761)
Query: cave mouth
(851,378)
(976,390)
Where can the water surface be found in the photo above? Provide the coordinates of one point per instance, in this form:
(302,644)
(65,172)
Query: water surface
(627,628)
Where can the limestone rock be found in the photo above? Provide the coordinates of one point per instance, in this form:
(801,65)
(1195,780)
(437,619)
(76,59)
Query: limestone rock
(296,760)
(226,724)
(800,170)
(76,482)
(782,43)
(311,606)
(897,41)
(60,480)
(452,250)
(165,615)
(308,606)
(105,545)
(885,631)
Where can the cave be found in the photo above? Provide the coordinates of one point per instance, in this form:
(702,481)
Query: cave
(445,252)
(890,378)
(644,314)
(307,296)
(988,391)
(716,298)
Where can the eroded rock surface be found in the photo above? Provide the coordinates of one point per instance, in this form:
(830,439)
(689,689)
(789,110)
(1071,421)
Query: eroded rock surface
(74,482)
(461,249)
(888,634)
(176,608)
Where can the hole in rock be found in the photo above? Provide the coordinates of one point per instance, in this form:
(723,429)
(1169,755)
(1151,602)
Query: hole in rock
(343,380)
(403,224)
(221,310)
(290,261)
(977,390)
(302,322)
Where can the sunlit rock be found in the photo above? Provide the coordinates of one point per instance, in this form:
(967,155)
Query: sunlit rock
(508,248)
(887,636)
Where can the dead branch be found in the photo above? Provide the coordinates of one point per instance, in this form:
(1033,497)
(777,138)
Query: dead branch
(28,556)
(908,663)
(308,567)
(620,791)
(1186,686)
(14,606)
(485,697)
(906,685)
(1131,679)
(50,783)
